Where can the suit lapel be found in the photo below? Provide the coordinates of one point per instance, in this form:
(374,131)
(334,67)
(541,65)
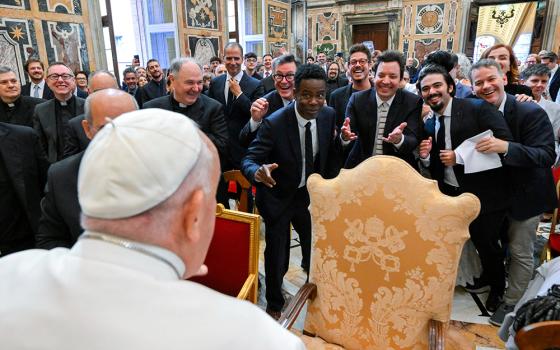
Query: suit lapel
(220,89)
(293,135)
(509,110)
(393,115)
(49,117)
(324,136)
(456,120)
(371,105)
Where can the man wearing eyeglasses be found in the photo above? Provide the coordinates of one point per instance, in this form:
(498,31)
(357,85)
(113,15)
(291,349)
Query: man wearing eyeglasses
(251,65)
(50,119)
(284,70)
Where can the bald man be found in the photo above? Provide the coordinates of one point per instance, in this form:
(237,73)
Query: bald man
(76,139)
(59,225)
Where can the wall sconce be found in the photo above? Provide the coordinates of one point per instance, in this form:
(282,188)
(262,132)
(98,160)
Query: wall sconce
(502,16)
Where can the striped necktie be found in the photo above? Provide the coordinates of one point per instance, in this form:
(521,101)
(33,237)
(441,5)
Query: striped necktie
(381,119)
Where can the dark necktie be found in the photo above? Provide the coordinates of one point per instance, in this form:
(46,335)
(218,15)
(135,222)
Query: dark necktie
(229,100)
(440,141)
(308,151)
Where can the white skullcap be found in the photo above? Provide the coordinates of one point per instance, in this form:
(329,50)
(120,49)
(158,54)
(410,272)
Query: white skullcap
(136,162)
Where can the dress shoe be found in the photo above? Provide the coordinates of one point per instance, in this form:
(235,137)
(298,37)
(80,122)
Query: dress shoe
(479,286)
(274,314)
(498,317)
(494,300)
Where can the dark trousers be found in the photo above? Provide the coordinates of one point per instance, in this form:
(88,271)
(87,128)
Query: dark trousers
(277,251)
(485,233)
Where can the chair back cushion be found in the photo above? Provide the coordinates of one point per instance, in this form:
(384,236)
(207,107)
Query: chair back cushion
(386,247)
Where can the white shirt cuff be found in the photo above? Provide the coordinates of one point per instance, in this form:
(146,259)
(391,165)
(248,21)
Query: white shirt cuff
(254,125)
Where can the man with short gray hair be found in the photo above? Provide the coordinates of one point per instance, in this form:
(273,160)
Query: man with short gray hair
(149,218)
(14,107)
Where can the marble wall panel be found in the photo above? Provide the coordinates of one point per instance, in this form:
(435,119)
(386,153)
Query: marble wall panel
(66,42)
(277,22)
(15,4)
(73,7)
(17,44)
(203,48)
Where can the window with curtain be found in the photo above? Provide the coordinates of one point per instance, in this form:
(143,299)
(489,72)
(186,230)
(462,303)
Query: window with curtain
(161,30)
(253,17)
(159,11)
(163,47)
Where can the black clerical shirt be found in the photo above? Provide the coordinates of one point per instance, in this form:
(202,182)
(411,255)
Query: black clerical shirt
(64,111)
(19,112)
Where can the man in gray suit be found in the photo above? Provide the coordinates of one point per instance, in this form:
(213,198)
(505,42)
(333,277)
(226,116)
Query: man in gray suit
(50,119)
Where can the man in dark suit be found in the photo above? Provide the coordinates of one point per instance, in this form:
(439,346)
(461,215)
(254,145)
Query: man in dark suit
(268,84)
(359,64)
(23,168)
(59,225)
(550,58)
(156,87)
(250,60)
(292,143)
(284,68)
(50,118)
(384,120)
(457,120)
(131,81)
(37,87)
(76,139)
(528,158)
(186,79)
(235,90)
(15,108)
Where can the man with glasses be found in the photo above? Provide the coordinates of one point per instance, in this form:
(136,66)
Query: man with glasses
(251,65)
(284,68)
(50,119)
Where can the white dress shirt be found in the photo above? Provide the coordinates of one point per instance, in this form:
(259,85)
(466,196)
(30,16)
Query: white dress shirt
(301,124)
(226,87)
(448,173)
(41,88)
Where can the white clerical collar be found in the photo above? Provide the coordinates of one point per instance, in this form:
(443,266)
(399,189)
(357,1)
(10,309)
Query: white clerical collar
(380,101)
(11,105)
(237,77)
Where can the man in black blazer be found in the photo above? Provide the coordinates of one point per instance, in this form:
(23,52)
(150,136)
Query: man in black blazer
(359,64)
(37,87)
(384,120)
(50,118)
(156,87)
(292,143)
(23,168)
(528,159)
(550,58)
(15,108)
(268,84)
(235,90)
(250,61)
(457,120)
(284,68)
(59,225)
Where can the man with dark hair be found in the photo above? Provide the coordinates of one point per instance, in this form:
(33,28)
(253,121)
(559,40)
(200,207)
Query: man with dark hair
(450,62)
(305,129)
(550,58)
(359,64)
(131,81)
(37,86)
(385,119)
(528,159)
(310,59)
(15,108)
(268,80)
(503,54)
(267,64)
(214,62)
(50,118)
(284,68)
(457,120)
(321,60)
(235,90)
(251,65)
(156,87)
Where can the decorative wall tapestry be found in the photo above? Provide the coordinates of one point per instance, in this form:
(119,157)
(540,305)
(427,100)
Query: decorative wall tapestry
(17,44)
(429,19)
(66,42)
(277,22)
(203,48)
(202,14)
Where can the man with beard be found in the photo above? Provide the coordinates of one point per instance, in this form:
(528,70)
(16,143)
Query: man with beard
(359,64)
(157,85)
(37,87)
(457,120)
(322,60)
(304,129)
(15,108)
(284,68)
(50,118)
(386,119)
(335,79)
(131,81)
(251,65)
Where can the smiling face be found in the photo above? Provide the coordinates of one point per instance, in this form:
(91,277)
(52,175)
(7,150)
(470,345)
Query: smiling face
(284,87)
(359,66)
(488,84)
(333,71)
(538,84)
(187,84)
(435,92)
(501,55)
(64,84)
(387,79)
(233,59)
(310,97)
(130,80)
(155,70)
(81,81)
(321,58)
(267,62)
(35,71)
(10,88)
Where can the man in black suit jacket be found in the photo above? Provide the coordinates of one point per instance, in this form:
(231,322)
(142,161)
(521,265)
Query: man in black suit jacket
(528,157)
(50,118)
(241,90)
(268,84)
(156,87)
(359,64)
(250,60)
(15,108)
(23,168)
(284,68)
(460,119)
(292,143)
(398,133)
(550,58)
(59,225)
(37,86)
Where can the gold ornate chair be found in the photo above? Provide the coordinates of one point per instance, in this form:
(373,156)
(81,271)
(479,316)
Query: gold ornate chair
(539,336)
(233,256)
(246,187)
(384,261)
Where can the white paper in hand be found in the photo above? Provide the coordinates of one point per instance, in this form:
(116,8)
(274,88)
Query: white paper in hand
(473,160)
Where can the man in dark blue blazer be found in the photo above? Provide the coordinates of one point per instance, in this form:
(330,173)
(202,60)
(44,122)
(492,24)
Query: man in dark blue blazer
(235,90)
(292,143)
(37,86)
(284,69)
(529,158)
(397,133)
(550,58)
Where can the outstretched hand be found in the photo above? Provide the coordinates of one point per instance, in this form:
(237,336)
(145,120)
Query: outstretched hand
(346,131)
(396,135)
(263,174)
(425,148)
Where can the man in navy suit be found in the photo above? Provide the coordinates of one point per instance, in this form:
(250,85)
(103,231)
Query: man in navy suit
(235,91)
(292,143)
(528,158)
(383,120)
(37,87)
(284,70)
(550,58)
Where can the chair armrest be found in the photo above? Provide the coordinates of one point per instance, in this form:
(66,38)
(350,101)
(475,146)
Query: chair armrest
(246,287)
(436,336)
(290,314)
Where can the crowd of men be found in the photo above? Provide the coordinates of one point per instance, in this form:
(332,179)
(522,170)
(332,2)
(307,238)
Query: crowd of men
(278,121)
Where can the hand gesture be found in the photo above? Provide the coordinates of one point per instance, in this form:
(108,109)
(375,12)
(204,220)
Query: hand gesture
(346,132)
(492,145)
(234,87)
(447,157)
(396,135)
(425,148)
(259,109)
(523,98)
(263,174)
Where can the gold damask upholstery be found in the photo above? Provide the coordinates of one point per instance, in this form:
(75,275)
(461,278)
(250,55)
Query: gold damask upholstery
(385,254)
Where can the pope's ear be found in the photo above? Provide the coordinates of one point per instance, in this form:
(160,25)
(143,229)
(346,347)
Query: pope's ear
(193,209)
